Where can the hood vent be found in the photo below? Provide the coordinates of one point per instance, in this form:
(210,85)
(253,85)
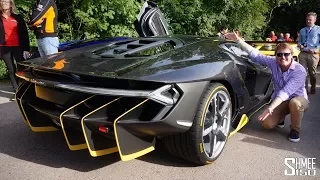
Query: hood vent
(141,48)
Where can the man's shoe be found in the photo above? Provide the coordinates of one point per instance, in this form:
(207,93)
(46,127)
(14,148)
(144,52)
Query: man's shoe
(294,136)
(313,91)
(281,125)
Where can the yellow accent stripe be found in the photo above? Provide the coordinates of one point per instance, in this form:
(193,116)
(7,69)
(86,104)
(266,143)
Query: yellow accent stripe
(207,103)
(267,53)
(50,15)
(35,129)
(201,147)
(258,47)
(23,77)
(18,100)
(243,121)
(260,108)
(72,147)
(100,152)
(136,154)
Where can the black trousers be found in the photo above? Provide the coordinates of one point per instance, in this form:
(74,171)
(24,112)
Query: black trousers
(7,53)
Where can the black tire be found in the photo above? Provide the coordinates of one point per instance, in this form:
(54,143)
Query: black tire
(189,145)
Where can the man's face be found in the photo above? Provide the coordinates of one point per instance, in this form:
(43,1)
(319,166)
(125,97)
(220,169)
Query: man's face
(5,4)
(224,31)
(272,33)
(284,57)
(311,20)
(287,35)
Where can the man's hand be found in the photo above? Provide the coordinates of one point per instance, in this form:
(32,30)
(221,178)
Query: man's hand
(265,114)
(26,54)
(232,36)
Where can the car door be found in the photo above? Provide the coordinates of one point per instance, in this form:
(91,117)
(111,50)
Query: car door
(257,78)
(150,21)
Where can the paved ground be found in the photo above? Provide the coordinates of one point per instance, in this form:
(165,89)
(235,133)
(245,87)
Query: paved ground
(253,153)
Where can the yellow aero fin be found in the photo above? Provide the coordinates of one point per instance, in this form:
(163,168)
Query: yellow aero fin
(36,121)
(97,144)
(130,145)
(79,142)
(243,121)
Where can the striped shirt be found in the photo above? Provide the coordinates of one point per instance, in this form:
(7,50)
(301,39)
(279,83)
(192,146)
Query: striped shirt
(310,37)
(287,85)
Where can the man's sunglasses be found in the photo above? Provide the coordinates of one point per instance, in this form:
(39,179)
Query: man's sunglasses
(283,54)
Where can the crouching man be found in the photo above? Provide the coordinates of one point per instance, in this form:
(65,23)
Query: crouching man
(290,95)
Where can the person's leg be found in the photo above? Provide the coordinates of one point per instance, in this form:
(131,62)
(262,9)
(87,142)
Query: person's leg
(278,115)
(50,45)
(297,106)
(40,47)
(303,61)
(6,55)
(313,64)
(18,56)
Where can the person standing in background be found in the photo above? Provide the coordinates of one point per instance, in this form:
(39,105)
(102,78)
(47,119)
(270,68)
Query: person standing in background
(223,30)
(14,39)
(272,37)
(309,49)
(43,22)
(287,37)
(280,38)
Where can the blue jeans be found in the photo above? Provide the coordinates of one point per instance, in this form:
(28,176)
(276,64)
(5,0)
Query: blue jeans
(48,45)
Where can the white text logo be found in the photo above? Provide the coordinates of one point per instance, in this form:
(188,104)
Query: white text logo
(300,166)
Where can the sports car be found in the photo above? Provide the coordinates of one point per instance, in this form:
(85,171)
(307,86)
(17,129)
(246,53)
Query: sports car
(189,92)
(123,96)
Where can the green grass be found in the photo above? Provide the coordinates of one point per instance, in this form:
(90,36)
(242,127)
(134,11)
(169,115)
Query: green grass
(3,71)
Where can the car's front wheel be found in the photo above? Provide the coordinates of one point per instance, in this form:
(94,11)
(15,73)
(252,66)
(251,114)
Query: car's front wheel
(207,137)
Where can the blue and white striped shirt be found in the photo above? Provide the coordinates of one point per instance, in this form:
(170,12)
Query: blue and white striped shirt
(287,85)
(310,37)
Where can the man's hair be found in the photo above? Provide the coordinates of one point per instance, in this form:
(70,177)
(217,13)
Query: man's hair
(283,45)
(223,28)
(312,14)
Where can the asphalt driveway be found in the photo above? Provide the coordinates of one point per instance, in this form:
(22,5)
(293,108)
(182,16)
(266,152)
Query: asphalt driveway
(252,153)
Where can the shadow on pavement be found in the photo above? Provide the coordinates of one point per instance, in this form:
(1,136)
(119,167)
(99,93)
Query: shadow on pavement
(47,148)
(50,149)
(162,157)
(309,144)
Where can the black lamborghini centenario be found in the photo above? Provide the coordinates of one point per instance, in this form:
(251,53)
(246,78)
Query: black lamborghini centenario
(124,96)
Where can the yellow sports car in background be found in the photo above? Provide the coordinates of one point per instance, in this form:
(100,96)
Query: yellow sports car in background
(268,48)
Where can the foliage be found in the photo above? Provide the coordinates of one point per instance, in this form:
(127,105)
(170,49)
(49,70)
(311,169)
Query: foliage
(103,18)
(291,17)
(3,70)
(205,17)
(97,18)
